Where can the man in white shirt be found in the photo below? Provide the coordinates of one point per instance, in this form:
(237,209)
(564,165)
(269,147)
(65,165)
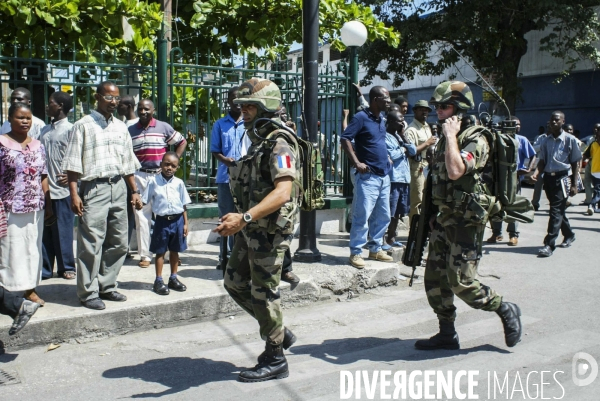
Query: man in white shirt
(58,237)
(22,95)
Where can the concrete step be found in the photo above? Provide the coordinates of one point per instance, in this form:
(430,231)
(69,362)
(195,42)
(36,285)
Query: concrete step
(64,319)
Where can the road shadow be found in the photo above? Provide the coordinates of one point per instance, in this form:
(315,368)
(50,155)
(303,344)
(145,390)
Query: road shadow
(582,217)
(54,293)
(585,228)
(135,285)
(210,274)
(344,236)
(331,260)
(344,243)
(176,373)
(525,250)
(193,253)
(4,357)
(350,350)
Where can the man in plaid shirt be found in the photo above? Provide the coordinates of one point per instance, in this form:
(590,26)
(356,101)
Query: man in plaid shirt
(100,154)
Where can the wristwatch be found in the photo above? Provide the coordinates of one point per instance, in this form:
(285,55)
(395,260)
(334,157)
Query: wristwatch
(247,217)
(137,191)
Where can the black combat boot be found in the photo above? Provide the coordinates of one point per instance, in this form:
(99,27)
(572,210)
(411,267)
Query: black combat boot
(288,340)
(447,338)
(273,366)
(510,315)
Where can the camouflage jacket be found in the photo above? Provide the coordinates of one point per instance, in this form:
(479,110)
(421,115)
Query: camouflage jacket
(465,200)
(252,178)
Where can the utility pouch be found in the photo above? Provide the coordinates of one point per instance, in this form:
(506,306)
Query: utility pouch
(284,222)
(476,208)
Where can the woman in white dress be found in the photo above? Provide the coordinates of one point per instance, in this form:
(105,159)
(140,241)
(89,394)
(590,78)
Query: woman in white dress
(24,193)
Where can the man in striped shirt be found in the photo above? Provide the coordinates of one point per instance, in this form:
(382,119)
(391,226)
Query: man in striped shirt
(151,139)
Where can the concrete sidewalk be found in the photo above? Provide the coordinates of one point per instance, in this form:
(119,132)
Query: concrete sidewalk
(64,319)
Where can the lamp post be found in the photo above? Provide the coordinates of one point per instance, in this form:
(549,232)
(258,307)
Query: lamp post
(162,50)
(307,247)
(354,35)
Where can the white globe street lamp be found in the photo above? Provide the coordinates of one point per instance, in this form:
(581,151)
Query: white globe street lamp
(354,33)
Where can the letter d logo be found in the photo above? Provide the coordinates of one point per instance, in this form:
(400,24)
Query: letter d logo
(581,368)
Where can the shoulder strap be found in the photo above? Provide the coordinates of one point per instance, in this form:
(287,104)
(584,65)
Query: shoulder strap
(474,132)
(290,137)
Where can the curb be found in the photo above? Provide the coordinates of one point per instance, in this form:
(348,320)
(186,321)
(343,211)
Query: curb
(97,325)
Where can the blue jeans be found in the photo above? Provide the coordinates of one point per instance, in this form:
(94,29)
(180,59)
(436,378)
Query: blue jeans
(371,214)
(57,240)
(353,180)
(399,199)
(225,204)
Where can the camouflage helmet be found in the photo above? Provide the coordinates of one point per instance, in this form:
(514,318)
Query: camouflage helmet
(262,92)
(453,92)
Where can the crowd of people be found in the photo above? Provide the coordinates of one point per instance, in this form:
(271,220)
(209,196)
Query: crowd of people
(94,169)
(119,176)
(390,160)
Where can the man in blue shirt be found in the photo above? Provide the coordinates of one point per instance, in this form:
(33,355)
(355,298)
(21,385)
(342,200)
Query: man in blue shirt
(226,145)
(399,149)
(371,214)
(525,152)
(559,157)
(539,185)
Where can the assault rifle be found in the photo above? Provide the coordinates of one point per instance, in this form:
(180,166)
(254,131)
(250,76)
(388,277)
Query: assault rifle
(418,235)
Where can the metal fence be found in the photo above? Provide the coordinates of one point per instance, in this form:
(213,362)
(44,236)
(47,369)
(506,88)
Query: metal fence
(197,97)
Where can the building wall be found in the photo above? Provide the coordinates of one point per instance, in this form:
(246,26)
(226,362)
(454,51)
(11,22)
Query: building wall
(576,96)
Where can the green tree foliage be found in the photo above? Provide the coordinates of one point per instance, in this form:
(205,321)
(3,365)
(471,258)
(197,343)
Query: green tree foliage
(489,33)
(92,25)
(231,26)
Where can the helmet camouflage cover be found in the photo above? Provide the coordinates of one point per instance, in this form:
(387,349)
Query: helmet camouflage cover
(454,92)
(262,92)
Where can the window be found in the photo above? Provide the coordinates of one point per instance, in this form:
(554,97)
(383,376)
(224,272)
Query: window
(282,65)
(334,55)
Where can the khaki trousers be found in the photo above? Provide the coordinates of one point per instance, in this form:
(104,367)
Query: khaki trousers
(143,217)
(101,237)
(417,184)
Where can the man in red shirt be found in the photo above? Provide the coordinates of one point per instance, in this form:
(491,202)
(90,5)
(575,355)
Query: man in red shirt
(150,139)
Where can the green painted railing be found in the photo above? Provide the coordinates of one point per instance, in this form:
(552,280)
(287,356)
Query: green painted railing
(197,96)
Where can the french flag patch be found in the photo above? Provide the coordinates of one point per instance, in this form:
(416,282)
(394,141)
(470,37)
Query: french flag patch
(284,161)
(468,156)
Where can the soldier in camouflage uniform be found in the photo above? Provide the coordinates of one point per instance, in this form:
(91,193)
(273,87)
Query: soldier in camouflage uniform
(266,192)
(459,174)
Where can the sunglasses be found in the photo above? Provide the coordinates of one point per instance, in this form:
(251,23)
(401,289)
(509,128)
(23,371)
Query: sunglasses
(110,98)
(442,106)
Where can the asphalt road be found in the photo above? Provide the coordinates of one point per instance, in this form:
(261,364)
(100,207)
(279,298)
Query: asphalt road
(373,334)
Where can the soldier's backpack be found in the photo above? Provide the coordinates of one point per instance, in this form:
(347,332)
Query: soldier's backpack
(502,165)
(311,173)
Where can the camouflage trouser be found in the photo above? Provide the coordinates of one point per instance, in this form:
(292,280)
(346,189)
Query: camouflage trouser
(252,279)
(452,269)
